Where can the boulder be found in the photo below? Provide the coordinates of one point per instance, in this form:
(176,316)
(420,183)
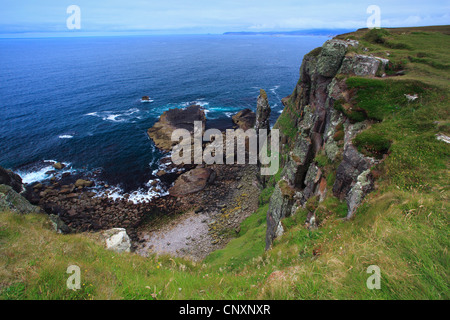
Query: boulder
(362,65)
(244,119)
(160,173)
(117,240)
(59,166)
(9,178)
(83,183)
(161,132)
(192,181)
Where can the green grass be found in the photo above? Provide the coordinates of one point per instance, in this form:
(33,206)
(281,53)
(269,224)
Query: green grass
(248,245)
(422,54)
(372,143)
(321,160)
(286,123)
(407,132)
(264,196)
(390,96)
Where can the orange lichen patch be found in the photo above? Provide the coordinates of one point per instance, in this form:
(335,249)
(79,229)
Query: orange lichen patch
(322,185)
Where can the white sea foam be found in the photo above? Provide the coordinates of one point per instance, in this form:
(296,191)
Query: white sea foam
(113,117)
(186,104)
(65,136)
(201,103)
(35,176)
(139,196)
(274,89)
(164,167)
(125,116)
(41,174)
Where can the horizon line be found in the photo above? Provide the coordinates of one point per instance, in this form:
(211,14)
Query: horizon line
(80,34)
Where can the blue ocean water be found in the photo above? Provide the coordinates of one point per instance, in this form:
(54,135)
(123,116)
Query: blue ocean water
(77,100)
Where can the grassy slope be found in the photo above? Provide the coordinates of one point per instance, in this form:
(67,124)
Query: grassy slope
(402,226)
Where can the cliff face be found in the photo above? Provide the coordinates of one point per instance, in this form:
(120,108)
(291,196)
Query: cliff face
(319,156)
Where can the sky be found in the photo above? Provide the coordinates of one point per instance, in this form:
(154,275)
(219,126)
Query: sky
(212,16)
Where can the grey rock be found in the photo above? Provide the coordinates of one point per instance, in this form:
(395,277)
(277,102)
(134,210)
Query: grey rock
(262,111)
(363,185)
(330,58)
(117,240)
(300,157)
(362,65)
(352,165)
(11,200)
(279,208)
(9,178)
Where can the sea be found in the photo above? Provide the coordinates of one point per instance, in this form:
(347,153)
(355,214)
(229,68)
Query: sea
(78,100)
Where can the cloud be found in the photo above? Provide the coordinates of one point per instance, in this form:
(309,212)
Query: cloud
(216,16)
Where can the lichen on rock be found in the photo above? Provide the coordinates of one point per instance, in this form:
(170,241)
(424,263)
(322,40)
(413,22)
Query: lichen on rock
(319,127)
(355,196)
(262,111)
(11,200)
(117,239)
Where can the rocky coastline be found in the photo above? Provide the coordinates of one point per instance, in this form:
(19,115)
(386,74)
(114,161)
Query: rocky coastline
(205,204)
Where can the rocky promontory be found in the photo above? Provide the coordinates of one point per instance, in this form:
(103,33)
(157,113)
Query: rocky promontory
(161,132)
(313,127)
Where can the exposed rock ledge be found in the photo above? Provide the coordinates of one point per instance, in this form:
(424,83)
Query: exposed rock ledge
(9,178)
(161,132)
(317,122)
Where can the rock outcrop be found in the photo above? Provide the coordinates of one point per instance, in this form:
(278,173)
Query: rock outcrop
(280,207)
(364,184)
(352,165)
(262,111)
(161,132)
(9,178)
(244,119)
(310,125)
(11,200)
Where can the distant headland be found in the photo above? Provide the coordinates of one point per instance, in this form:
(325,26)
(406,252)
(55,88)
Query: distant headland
(307,32)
